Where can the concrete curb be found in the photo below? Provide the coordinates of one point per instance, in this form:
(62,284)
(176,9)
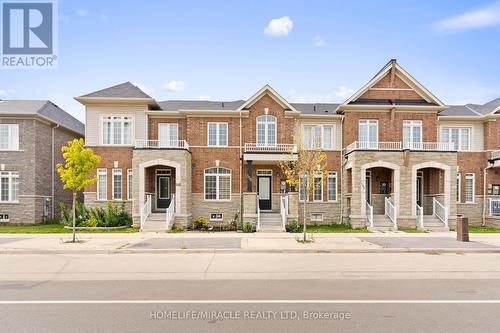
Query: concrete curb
(270,251)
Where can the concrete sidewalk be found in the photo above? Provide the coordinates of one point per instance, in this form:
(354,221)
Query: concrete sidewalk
(389,242)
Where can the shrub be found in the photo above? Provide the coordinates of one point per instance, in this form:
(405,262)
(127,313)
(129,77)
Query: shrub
(200,223)
(176,229)
(247,227)
(294,226)
(111,216)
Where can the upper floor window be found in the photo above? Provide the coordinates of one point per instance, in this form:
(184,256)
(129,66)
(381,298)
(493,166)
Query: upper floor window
(168,134)
(266,131)
(9,137)
(9,186)
(117,130)
(412,134)
(318,136)
(368,131)
(217,184)
(460,137)
(217,134)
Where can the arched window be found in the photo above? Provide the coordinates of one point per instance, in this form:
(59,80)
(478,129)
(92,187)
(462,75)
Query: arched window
(217,184)
(266,131)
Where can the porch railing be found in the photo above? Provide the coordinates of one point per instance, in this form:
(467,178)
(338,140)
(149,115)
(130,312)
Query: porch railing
(420,217)
(145,210)
(494,206)
(398,146)
(277,148)
(170,212)
(440,211)
(161,144)
(284,210)
(390,211)
(369,214)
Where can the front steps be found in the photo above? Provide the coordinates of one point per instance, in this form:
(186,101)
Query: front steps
(156,222)
(432,223)
(270,222)
(382,223)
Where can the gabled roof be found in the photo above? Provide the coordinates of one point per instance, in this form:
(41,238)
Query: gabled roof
(122,90)
(395,71)
(43,108)
(267,89)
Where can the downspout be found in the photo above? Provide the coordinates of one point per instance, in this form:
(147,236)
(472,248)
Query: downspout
(485,172)
(53,171)
(342,172)
(241,172)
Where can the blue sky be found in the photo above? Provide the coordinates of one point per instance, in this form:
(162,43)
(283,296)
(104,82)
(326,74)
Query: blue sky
(307,50)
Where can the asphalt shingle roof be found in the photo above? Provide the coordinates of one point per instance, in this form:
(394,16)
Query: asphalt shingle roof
(123,90)
(44,108)
(175,105)
(472,110)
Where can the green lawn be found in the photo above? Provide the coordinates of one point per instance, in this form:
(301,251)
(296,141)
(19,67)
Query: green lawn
(340,228)
(54,228)
(483,230)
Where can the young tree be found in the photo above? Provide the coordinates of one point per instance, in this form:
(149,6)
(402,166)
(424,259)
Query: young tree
(75,173)
(304,167)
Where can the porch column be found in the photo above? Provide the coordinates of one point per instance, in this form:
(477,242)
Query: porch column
(249,176)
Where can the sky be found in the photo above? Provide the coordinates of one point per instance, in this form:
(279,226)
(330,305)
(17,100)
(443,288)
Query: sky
(309,51)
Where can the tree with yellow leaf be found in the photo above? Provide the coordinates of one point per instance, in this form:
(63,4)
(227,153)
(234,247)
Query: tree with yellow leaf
(306,164)
(76,172)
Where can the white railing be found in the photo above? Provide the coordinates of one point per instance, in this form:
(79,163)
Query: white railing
(390,211)
(277,148)
(420,216)
(495,155)
(369,214)
(161,144)
(397,146)
(494,206)
(170,212)
(284,210)
(145,210)
(440,211)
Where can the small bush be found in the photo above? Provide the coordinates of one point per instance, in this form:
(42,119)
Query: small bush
(294,226)
(176,229)
(111,216)
(247,227)
(200,223)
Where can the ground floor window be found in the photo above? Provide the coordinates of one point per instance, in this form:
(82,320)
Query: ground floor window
(9,186)
(129,184)
(316,217)
(102,184)
(459,187)
(332,186)
(302,189)
(217,184)
(469,187)
(318,188)
(117,184)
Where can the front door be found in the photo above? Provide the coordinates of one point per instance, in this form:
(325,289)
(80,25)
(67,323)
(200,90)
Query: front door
(162,191)
(368,187)
(420,188)
(264,192)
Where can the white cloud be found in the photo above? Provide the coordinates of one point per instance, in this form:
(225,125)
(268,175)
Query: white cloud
(175,85)
(82,12)
(279,27)
(7,92)
(338,95)
(473,19)
(318,42)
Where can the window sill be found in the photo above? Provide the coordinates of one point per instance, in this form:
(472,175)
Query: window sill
(217,200)
(9,202)
(11,150)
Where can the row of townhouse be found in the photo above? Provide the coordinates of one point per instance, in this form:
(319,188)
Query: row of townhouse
(396,157)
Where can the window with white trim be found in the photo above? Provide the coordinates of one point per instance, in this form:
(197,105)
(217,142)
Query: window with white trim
(470,187)
(266,130)
(102,184)
(9,186)
(412,134)
(168,134)
(302,188)
(217,184)
(9,137)
(317,136)
(368,131)
(217,134)
(318,188)
(459,187)
(332,186)
(117,184)
(459,136)
(129,184)
(316,217)
(117,130)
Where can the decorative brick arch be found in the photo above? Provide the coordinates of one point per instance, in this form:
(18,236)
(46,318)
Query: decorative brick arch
(162,162)
(447,182)
(381,164)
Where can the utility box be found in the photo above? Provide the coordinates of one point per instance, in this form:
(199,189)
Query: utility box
(462,229)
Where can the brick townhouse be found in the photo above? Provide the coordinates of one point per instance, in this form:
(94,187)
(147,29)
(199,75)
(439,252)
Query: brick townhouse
(397,156)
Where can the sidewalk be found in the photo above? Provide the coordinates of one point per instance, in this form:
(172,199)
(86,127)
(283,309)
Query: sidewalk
(389,242)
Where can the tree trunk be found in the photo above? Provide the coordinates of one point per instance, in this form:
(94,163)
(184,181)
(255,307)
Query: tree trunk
(74,215)
(306,196)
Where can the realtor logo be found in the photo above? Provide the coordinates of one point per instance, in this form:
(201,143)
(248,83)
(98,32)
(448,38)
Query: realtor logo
(29,34)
